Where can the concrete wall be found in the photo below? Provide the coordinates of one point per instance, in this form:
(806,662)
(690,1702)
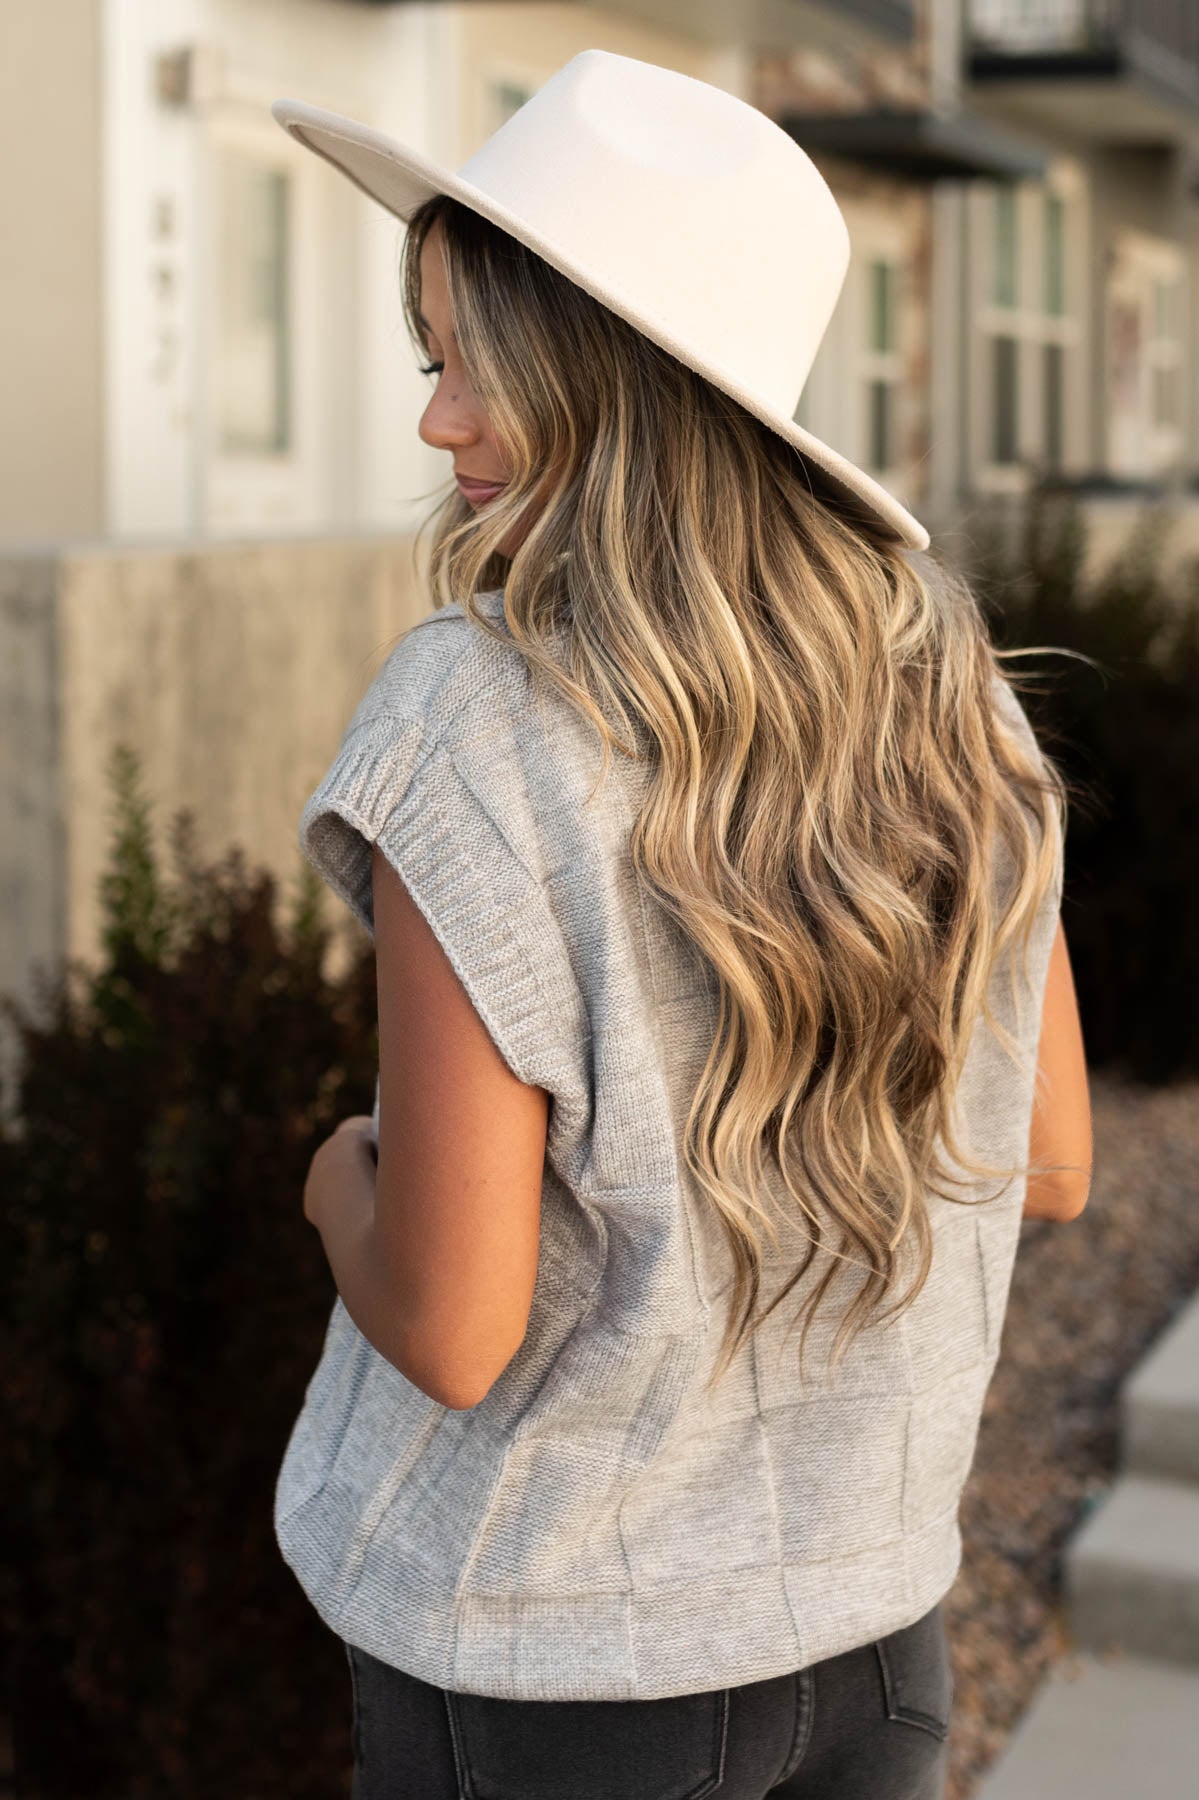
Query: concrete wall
(230,670)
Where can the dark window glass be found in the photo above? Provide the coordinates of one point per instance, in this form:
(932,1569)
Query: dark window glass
(1005,269)
(509,98)
(882,305)
(880,424)
(1004,399)
(1055,273)
(1055,358)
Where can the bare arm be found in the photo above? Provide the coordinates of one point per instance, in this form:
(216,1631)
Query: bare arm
(1061,1120)
(461,1155)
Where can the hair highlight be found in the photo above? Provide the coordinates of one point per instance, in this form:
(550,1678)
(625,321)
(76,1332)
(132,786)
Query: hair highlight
(715,604)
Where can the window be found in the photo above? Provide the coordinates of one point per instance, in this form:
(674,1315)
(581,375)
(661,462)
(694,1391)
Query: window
(1055,356)
(1005,412)
(882,304)
(883,364)
(1005,264)
(881,451)
(1005,349)
(804,412)
(1029,326)
(253,387)
(856,393)
(1055,271)
(507,97)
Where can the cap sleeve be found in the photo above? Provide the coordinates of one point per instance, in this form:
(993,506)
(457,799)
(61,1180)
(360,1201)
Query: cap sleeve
(1011,711)
(395,784)
(1013,715)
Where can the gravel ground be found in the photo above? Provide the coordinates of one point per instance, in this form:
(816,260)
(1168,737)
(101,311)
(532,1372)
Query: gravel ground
(1087,1301)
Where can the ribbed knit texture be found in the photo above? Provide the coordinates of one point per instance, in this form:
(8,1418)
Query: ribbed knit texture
(597,1528)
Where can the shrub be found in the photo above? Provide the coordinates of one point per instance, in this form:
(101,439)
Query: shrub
(166,1304)
(1119,714)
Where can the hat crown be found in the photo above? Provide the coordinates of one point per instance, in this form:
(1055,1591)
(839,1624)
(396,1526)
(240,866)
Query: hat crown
(706,218)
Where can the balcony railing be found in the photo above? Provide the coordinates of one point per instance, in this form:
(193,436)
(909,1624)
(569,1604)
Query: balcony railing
(889,18)
(1059,27)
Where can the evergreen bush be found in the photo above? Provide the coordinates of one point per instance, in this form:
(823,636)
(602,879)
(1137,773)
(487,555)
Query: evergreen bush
(1119,714)
(165,1306)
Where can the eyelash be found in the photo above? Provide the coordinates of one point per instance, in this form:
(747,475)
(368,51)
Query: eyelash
(433,368)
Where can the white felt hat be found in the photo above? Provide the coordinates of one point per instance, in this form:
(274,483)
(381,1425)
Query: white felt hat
(680,207)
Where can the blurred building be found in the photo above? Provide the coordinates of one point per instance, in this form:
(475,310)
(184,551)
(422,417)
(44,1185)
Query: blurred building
(201,320)
(210,470)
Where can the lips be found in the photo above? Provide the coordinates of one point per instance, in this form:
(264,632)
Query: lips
(479,491)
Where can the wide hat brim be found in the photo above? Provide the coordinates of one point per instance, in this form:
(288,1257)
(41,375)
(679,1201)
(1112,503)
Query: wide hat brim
(400,179)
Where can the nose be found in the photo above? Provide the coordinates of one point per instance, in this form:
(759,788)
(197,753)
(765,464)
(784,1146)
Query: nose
(449,422)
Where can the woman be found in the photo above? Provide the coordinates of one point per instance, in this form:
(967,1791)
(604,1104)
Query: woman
(714,874)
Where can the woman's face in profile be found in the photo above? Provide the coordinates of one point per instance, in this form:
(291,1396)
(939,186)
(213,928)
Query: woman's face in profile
(454,419)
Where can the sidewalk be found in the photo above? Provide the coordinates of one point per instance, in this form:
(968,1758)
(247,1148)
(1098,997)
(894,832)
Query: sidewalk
(1103,1730)
(1122,1716)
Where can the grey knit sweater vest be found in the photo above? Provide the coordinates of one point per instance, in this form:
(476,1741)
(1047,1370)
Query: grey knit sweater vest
(598,1528)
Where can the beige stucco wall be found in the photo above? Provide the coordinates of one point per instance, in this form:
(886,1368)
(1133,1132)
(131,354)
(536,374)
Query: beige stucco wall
(529,42)
(51,446)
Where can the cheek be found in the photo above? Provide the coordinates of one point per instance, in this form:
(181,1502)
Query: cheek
(482,424)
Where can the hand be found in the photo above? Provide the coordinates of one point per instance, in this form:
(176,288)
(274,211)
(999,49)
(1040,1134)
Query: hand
(345,1159)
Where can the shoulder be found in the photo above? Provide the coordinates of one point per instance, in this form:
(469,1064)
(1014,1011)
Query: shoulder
(446,675)
(436,770)
(1012,714)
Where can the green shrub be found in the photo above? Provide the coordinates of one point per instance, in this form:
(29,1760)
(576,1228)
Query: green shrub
(1119,714)
(165,1306)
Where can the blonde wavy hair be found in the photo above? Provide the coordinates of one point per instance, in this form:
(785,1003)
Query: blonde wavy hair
(830,768)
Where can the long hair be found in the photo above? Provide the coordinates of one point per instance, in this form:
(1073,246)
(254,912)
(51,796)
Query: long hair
(831,771)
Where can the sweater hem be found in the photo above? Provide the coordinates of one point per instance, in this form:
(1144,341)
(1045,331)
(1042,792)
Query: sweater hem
(736,1626)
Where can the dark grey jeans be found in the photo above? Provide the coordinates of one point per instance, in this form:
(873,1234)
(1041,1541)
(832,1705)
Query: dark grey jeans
(870,1724)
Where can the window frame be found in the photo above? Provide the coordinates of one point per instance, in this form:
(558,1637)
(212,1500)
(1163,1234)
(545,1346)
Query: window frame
(1030,323)
(883,365)
(249,490)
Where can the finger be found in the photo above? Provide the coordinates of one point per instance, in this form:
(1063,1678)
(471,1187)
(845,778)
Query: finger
(356,1122)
